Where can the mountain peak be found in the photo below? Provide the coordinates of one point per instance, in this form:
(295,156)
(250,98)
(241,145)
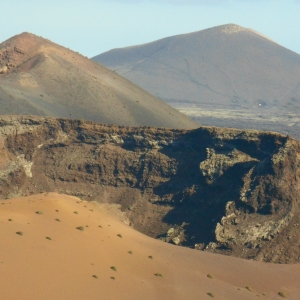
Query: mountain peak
(26,34)
(18,49)
(232,28)
(22,38)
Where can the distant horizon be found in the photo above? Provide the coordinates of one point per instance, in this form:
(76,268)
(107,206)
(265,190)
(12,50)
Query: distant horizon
(92,27)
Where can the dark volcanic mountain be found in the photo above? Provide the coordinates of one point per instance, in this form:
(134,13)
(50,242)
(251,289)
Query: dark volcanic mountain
(226,66)
(220,190)
(38,77)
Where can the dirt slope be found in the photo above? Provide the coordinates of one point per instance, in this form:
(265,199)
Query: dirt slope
(224,66)
(226,76)
(47,257)
(219,190)
(38,77)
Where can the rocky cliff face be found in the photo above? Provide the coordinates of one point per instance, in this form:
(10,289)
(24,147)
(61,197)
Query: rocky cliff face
(221,190)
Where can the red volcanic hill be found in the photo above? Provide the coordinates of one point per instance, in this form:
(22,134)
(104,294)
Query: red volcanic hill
(38,77)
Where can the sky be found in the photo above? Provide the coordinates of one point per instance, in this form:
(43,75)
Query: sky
(91,27)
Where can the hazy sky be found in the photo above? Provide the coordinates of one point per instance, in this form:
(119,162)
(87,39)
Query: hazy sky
(94,26)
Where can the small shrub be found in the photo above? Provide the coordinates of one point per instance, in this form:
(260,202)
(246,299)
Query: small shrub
(158,274)
(248,288)
(119,235)
(210,276)
(75,212)
(211,295)
(130,252)
(48,238)
(10,220)
(58,220)
(150,256)
(57,210)
(282,294)
(39,212)
(113,268)
(95,276)
(113,278)
(86,225)
(80,228)
(100,226)
(19,232)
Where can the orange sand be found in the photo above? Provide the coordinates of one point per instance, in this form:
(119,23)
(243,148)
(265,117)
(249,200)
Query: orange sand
(34,267)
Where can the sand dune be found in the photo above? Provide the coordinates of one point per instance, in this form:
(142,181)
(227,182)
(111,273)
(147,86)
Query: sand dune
(45,256)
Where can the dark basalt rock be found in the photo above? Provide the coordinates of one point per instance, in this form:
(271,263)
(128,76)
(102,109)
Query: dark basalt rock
(226,191)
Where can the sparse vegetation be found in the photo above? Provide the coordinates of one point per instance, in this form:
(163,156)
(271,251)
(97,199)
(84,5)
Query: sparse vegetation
(248,288)
(100,226)
(210,276)
(57,210)
(80,228)
(130,252)
(75,212)
(39,212)
(10,220)
(282,294)
(113,268)
(119,235)
(95,276)
(158,274)
(150,256)
(211,295)
(112,278)
(19,232)
(48,238)
(58,220)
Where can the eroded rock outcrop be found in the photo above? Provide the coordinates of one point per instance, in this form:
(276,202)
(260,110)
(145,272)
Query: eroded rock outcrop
(221,190)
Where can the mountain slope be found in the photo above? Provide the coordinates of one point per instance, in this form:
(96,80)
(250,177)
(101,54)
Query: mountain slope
(39,77)
(224,66)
